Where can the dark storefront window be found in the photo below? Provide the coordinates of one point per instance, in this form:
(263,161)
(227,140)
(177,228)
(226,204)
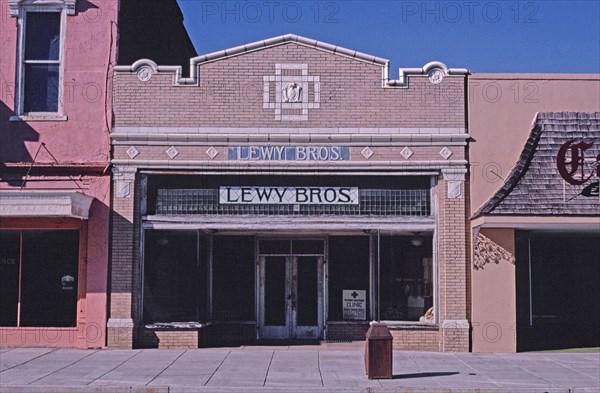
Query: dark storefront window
(175,277)
(406,277)
(9,276)
(348,270)
(46,263)
(557,288)
(233,278)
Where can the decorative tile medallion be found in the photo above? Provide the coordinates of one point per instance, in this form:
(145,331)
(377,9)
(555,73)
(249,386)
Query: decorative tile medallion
(287,92)
(144,74)
(436,76)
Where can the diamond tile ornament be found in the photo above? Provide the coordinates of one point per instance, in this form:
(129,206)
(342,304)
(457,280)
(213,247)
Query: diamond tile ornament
(446,153)
(407,153)
(367,152)
(132,152)
(212,152)
(172,152)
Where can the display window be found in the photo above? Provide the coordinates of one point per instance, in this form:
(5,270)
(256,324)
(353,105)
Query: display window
(38,278)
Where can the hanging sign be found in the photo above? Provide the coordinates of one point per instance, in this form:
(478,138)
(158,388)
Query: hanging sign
(256,195)
(354,303)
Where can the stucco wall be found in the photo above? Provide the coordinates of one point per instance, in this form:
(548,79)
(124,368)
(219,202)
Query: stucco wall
(502,109)
(88,50)
(493,292)
(75,157)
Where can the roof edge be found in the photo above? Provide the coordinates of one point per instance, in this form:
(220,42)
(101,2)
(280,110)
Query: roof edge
(516,173)
(427,69)
(284,39)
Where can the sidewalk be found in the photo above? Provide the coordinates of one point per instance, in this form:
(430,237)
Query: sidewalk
(325,368)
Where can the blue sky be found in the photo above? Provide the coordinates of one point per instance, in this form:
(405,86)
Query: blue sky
(483,36)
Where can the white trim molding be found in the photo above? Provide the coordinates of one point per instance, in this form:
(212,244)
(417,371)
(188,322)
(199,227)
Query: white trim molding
(455,324)
(45,204)
(120,323)
(362,135)
(455,178)
(435,70)
(123,178)
(15,6)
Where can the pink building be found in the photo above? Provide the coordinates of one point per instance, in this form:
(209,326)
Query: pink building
(55,114)
(535,212)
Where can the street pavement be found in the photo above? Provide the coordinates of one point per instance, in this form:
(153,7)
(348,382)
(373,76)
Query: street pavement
(314,368)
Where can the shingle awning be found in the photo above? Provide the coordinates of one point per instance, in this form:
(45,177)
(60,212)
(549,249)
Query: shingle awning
(45,204)
(535,187)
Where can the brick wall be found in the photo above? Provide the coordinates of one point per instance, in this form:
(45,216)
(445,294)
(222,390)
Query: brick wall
(230,94)
(168,339)
(453,272)
(347,331)
(124,255)
(425,339)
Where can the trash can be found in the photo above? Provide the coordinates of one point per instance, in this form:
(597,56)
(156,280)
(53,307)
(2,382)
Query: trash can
(378,352)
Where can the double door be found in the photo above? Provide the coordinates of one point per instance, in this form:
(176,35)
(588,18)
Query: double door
(291,302)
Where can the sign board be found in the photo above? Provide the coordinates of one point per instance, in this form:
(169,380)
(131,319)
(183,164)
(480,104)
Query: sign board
(289,153)
(354,303)
(256,195)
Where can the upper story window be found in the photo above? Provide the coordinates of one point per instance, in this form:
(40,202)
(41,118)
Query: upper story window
(40,56)
(41,62)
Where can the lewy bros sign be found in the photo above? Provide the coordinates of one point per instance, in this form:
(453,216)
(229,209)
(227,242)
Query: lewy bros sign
(288,195)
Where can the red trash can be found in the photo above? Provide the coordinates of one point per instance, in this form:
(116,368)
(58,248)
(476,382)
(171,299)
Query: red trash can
(378,352)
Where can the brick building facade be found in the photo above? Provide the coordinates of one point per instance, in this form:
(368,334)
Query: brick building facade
(288,189)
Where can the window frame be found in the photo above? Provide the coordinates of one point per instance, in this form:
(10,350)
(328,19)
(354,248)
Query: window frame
(24,9)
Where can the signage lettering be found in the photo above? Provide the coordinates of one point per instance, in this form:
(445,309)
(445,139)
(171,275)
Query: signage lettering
(354,303)
(288,195)
(289,153)
(572,169)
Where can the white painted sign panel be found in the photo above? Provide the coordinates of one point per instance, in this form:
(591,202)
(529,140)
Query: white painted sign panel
(254,195)
(354,303)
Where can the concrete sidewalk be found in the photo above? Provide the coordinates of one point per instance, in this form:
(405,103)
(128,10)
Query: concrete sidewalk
(325,368)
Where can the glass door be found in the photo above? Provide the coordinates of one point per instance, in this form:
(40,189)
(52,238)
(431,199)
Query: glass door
(307,305)
(291,296)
